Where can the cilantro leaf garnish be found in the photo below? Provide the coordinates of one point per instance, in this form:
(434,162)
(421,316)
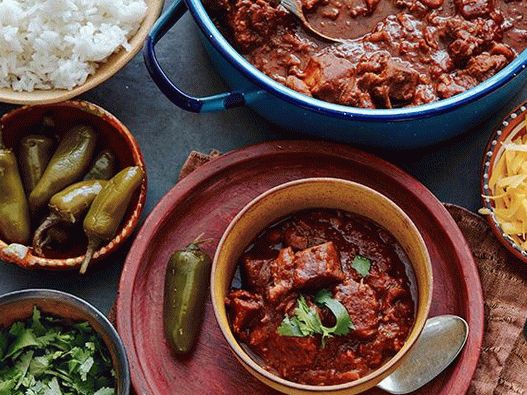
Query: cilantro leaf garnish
(306,321)
(42,356)
(361,265)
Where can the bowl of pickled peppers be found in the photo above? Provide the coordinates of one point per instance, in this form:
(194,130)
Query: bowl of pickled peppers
(72,185)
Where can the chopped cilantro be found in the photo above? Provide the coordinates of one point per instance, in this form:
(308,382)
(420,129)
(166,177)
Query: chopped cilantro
(42,356)
(306,321)
(361,265)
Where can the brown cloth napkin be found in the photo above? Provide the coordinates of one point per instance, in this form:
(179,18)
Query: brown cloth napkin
(502,368)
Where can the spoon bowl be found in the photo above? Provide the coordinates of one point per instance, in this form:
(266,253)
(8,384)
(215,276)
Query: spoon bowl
(295,7)
(440,342)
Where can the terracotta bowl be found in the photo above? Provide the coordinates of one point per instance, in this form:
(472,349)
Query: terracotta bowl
(17,306)
(106,70)
(112,134)
(513,126)
(318,193)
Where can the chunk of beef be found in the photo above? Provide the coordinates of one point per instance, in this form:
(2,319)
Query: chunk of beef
(394,85)
(433,3)
(289,354)
(253,21)
(362,305)
(471,9)
(485,65)
(282,274)
(326,76)
(256,273)
(317,267)
(453,84)
(244,307)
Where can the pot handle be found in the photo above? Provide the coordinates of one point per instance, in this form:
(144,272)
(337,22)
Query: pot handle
(219,102)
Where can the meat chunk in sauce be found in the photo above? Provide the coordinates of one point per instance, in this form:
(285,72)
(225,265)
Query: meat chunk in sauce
(313,267)
(425,50)
(362,305)
(317,267)
(244,306)
(303,254)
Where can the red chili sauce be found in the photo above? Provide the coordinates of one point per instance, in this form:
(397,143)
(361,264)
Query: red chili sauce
(400,53)
(313,250)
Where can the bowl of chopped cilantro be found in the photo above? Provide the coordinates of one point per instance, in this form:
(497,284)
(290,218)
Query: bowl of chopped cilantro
(53,343)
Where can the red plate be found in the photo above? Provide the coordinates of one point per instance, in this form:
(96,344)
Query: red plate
(210,197)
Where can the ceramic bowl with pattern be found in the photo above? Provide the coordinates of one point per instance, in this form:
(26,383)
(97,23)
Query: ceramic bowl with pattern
(513,126)
(111,134)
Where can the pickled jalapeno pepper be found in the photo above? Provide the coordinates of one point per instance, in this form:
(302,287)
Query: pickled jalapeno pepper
(33,156)
(103,168)
(15,225)
(186,284)
(67,206)
(108,209)
(67,165)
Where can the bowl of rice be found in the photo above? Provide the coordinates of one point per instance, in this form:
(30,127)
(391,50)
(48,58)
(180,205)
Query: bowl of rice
(53,50)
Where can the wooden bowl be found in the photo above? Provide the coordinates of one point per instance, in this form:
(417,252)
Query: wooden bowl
(302,194)
(113,64)
(17,306)
(112,134)
(514,125)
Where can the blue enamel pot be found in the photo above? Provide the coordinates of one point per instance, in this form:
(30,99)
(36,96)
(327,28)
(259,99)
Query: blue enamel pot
(402,128)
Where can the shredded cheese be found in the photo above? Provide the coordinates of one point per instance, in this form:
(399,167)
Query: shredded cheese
(508,187)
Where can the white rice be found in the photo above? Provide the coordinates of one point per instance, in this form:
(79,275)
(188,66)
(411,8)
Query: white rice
(50,44)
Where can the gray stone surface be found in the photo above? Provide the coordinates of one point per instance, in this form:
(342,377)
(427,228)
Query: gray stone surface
(167,134)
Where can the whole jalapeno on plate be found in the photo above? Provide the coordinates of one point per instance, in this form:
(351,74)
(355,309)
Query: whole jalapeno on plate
(108,209)
(34,153)
(103,167)
(15,224)
(68,206)
(186,285)
(67,165)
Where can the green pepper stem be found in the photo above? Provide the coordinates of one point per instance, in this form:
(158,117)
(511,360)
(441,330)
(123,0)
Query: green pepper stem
(39,241)
(93,245)
(199,241)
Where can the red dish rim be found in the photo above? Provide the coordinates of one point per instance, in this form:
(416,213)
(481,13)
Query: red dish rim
(184,188)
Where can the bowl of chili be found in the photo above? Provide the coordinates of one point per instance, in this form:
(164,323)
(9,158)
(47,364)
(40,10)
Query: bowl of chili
(109,148)
(309,249)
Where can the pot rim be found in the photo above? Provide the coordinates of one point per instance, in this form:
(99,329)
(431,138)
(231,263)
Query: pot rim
(220,43)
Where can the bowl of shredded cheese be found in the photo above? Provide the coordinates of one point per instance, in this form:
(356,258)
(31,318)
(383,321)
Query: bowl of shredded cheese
(504,182)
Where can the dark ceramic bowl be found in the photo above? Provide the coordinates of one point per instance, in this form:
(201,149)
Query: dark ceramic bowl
(17,306)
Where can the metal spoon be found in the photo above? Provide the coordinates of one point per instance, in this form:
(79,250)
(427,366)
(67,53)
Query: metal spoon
(441,341)
(296,8)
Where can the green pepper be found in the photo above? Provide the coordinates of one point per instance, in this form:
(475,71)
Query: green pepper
(67,165)
(108,209)
(15,224)
(33,156)
(67,206)
(103,168)
(186,284)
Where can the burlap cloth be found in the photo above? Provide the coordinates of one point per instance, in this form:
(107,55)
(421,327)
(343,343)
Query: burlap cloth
(502,368)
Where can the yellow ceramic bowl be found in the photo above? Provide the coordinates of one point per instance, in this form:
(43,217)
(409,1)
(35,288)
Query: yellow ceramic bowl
(107,69)
(318,193)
